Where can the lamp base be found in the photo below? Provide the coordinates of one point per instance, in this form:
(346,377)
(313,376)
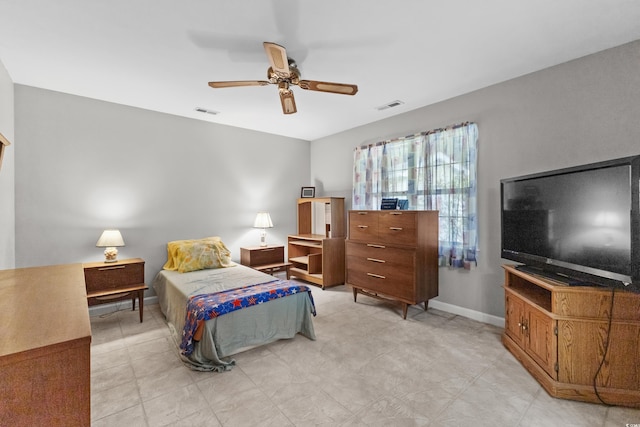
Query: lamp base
(110,255)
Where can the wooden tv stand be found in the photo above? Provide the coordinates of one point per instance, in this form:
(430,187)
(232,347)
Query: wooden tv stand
(559,333)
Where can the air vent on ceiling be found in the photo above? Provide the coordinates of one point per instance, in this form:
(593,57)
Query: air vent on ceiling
(204,110)
(389,105)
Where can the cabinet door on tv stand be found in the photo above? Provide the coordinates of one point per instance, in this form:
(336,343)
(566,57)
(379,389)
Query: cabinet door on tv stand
(542,341)
(514,318)
(581,350)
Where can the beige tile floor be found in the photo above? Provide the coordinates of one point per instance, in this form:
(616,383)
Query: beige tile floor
(368,366)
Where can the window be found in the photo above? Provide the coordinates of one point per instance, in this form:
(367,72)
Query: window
(435,170)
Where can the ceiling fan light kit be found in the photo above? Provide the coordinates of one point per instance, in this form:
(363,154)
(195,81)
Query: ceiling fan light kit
(284,72)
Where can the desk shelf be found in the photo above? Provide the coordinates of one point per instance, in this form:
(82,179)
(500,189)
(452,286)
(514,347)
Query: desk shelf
(319,258)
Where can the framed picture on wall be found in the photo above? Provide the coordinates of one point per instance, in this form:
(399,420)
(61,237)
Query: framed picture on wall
(308,192)
(3,143)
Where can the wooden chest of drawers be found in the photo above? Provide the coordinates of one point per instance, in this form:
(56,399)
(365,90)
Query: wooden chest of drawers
(394,255)
(117,281)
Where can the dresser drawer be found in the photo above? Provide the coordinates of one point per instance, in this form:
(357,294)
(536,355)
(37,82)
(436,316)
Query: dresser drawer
(108,277)
(390,270)
(397,227)
(381,254)
(261,255)
(397,282)
(382,269)
(363,225)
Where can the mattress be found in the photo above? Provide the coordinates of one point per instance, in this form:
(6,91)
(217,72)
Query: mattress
(233,332)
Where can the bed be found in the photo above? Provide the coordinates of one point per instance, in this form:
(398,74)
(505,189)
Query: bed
(217,336)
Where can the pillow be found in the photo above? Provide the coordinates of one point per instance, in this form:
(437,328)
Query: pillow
(197,254)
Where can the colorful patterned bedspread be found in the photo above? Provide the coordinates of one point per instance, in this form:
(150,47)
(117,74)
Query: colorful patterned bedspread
(201,308)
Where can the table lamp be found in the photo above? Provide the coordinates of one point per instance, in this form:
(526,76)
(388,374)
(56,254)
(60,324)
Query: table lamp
(263,221)
(109,240)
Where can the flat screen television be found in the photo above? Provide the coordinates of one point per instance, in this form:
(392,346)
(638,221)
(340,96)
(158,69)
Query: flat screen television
(580,225)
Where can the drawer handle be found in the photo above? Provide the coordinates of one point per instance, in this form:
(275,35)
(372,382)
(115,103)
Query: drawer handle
(376,260)
(267,250)
(362,213)
(371,245)
(377,276)
(110,297)
(115,267)
(395,228)
(363,226)
(395,213)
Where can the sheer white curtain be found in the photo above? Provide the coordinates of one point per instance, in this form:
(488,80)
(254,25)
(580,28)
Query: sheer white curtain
(435,170)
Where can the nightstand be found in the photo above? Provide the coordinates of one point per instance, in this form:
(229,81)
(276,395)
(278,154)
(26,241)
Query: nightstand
(109,282)
(268,259)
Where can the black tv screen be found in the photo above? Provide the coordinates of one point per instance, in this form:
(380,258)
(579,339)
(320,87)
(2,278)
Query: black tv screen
(580,223)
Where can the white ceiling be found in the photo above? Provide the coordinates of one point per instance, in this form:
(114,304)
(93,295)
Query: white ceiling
(160,54)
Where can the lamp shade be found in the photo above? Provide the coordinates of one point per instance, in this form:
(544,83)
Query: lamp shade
(263,220)
(110,239)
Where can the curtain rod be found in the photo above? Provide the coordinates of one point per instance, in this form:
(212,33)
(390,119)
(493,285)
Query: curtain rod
(424,133)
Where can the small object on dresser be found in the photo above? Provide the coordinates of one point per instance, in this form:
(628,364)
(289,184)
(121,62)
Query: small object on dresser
(389,204)
(308,192)
(110,239)
(263,221)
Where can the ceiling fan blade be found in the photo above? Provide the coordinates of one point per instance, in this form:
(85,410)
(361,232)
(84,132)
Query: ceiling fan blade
(277,58)
(342,88)
(235,83)
(288,102)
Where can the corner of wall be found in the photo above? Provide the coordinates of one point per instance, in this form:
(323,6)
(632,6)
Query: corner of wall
(7,173)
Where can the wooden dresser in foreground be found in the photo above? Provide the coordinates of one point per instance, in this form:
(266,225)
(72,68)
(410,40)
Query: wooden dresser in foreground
(44,347)
(393,254)
(573,340)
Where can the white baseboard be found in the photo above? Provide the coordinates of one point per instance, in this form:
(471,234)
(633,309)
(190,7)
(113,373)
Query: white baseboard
(99,310)
(471,314)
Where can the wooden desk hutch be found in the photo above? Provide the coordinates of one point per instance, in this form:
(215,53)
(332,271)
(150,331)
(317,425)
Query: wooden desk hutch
(317,256)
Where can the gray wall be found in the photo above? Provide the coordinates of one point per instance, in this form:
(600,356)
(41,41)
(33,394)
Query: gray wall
(7,190)
(579,112)
(84,165)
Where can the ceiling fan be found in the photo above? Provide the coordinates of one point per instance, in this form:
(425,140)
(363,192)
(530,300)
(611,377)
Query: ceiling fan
(284,73)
